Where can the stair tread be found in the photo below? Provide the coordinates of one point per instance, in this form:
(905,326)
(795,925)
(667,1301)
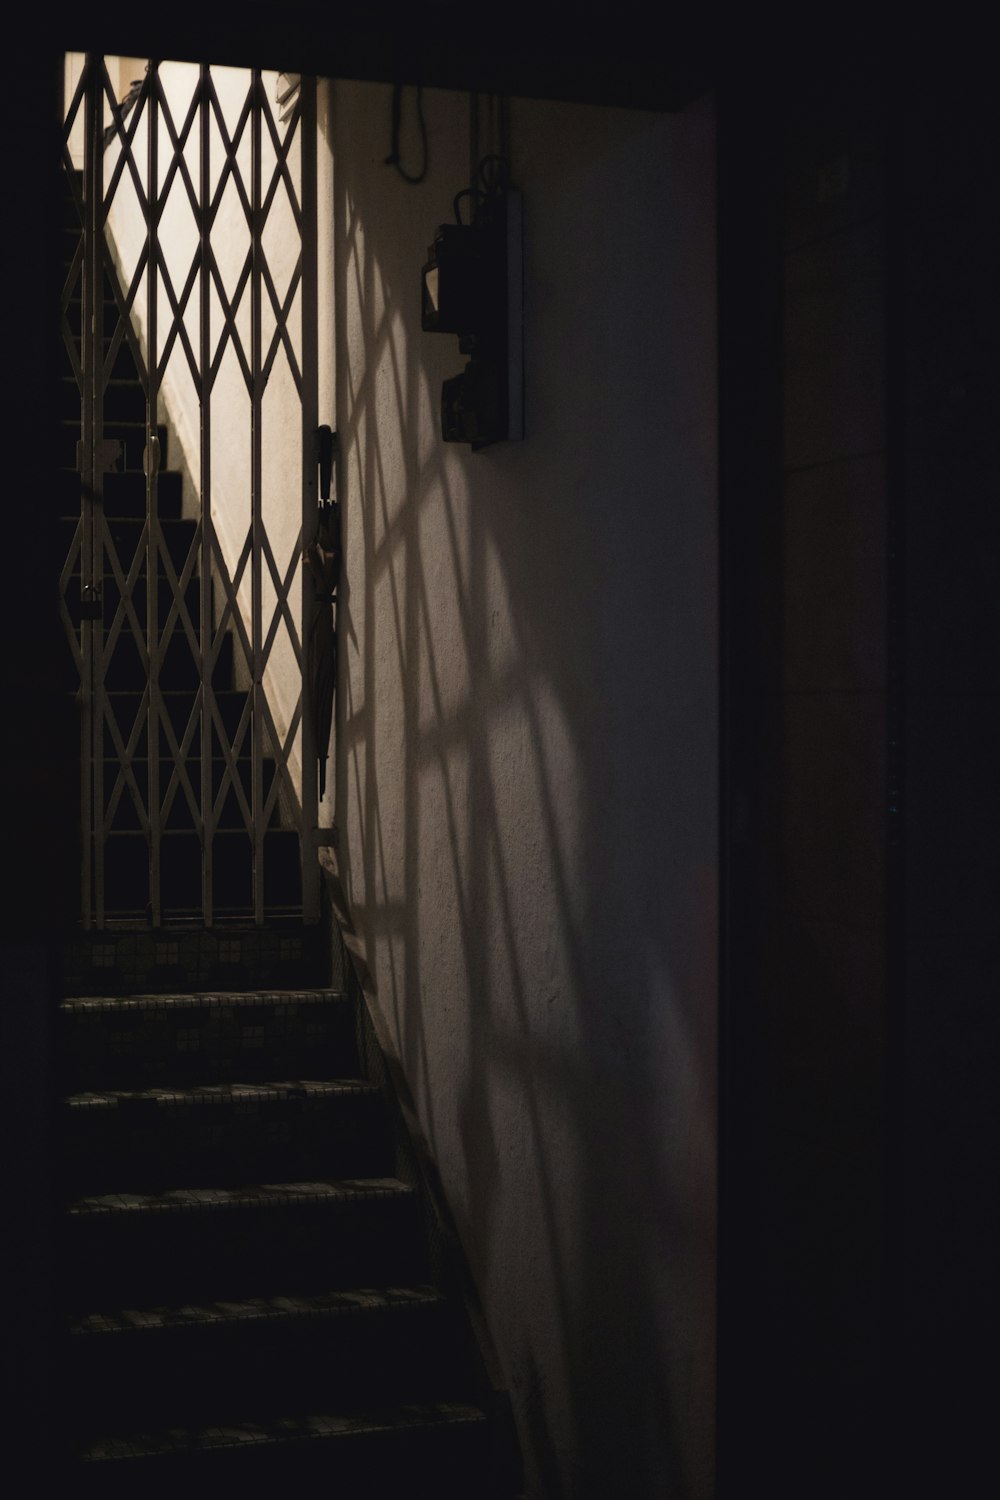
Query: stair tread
(284,1429)
(224,1093)
(259,1309)
(172,522)
(110,383)
(261,1195)
(202,1000)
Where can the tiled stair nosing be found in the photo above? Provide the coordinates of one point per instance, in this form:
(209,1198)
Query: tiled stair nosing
(203,1000)
(355,1303)
(222,1095)
(265,1196)
(315,1426)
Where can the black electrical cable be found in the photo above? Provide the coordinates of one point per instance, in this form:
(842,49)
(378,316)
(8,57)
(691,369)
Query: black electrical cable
(466,192)
(392,160)
(494,174)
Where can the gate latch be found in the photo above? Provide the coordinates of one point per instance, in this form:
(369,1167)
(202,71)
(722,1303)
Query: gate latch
(107,453)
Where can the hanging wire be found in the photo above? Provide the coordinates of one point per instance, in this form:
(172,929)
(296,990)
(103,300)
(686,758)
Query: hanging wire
(494,177)
(393,159)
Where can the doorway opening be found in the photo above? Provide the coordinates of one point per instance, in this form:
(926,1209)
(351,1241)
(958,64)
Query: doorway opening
(189,414)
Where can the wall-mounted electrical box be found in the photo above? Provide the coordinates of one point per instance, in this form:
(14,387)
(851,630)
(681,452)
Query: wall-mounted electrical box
(472,287)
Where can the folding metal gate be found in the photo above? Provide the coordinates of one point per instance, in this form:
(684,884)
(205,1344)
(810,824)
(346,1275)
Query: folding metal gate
(188,319)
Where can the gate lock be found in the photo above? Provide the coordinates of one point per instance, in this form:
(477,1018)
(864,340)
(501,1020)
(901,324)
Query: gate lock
(90,602)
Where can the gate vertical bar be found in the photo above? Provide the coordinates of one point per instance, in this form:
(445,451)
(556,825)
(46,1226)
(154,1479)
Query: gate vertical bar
(94,402)
(205,396)
(90,636)
(257,509)
(310,419)
(152,524)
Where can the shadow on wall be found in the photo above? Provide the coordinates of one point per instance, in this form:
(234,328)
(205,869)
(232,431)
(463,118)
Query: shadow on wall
(526,775)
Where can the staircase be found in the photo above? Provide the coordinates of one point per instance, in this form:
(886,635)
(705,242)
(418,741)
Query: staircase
(244,1273)
(248,1280)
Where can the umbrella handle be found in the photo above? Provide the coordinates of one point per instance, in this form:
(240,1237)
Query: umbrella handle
(326,450)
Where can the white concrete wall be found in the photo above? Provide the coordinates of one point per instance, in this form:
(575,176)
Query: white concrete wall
(526,780)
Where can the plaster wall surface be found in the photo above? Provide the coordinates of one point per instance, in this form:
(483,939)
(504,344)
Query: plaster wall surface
(526,782)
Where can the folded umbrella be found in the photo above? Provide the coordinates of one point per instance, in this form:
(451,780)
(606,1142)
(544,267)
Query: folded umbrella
(322,558)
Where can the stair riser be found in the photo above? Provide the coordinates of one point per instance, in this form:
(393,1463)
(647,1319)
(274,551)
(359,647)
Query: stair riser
(180,670)
(123,366)
(131,436)
(124,495)
(126,533)
(111,598)
(218,961)
(74,305)
(162,1048)
(123,402)
(123,669)
(146,1148)
(147,1259)
(178,707)
(129,813)
(186,1377)
(127,887)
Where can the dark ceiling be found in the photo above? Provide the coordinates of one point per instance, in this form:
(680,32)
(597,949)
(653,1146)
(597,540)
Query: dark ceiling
(651,57)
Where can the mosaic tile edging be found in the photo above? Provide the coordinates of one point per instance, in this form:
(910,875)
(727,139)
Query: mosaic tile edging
(287,1429)
(186,960)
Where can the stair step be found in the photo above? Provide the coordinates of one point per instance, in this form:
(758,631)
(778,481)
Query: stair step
(124,365)
(280,958)
(243,1000)
(124,399)
(180,669)
(219,1096)
(265,1196)
(428,1450)
(111,598)
(138,1041)
(288,1430)
(209,1244)
(178,705)
(127,532)
(124,494)
(181,1365)
(131,435)
(180,817)
(126,873)
(356,1303)
(74,306)
(150,1138)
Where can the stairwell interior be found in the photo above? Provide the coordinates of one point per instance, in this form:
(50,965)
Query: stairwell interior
(252,1287)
